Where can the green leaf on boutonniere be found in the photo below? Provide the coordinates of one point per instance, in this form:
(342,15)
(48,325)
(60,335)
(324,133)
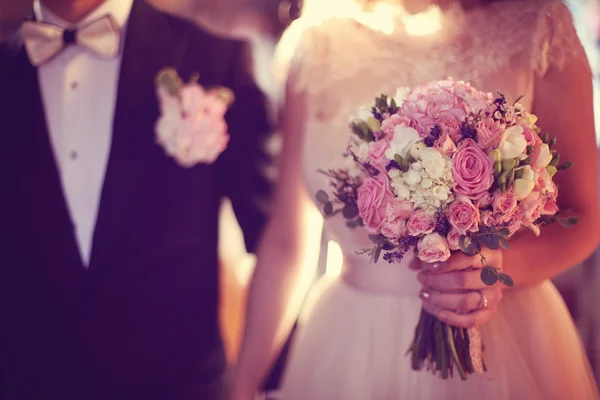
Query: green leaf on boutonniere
(376,254)
(377,239)
(489,276)
(328,209)
(169,79)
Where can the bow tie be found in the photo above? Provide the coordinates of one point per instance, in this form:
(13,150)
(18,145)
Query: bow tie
(44,41)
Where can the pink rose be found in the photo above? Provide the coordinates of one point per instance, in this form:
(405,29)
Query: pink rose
(454,239)
(373,197)
(377,156)
(421,222)
(433,248)
(388,125)
(513,221)
(463,215)
(532,206)
(445,144)
(482,200)
(489,132)
(450,125)
(394,229)
(504,203)
(398,209)
(487,219)
(472,169)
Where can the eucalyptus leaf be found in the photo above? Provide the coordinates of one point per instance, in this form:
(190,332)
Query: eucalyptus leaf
(505,279)
(376,254)
(350,211)
(504,232)
(389,246)
(489,276)
(328,209)
(377,239)
(504,244)
(322,197)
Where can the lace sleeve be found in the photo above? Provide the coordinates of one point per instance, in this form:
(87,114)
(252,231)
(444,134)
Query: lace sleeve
(556,42)
(301,55)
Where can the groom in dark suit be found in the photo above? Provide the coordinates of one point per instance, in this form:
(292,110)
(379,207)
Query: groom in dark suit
(108,250)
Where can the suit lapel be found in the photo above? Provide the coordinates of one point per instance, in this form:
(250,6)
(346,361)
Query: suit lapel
(39,198)
(150,44)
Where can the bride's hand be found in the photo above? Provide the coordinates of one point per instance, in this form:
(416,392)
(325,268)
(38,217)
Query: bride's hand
(454,293)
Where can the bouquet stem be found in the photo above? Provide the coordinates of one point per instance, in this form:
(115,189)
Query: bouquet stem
(440,348)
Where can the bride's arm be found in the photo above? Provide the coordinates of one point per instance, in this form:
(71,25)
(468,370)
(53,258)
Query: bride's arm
(283,270)
(564,105)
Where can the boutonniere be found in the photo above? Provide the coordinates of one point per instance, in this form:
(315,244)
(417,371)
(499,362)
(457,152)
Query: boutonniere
(191,127)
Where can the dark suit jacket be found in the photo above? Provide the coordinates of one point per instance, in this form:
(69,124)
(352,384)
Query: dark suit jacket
(141,321)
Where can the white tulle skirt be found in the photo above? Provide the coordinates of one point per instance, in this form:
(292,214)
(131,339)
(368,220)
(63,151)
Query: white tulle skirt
(351,346)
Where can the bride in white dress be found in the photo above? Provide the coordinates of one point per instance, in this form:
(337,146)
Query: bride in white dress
(356,328)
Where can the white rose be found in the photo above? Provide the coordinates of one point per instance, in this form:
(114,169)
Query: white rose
(415,152)
(524,185)
(435,167)
(441,193)
(402,191)
(512,142)
(402,143)
(417,166)
(412,177)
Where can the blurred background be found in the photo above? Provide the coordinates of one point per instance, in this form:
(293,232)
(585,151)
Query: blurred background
(261,22)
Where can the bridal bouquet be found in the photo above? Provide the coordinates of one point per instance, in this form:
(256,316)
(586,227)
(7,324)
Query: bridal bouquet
(440,168)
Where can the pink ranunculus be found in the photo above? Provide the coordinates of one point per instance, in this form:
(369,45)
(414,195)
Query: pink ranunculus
(489,132)
(377,156)
(482,200)
(421,222)
(463,215)
(504,202)
(472,169)
(487,219)
(394,229)
(388,125)
(373,196)
(445,144)
(399,209)
(450,124)
(530,136)
(454,239)
(433,248)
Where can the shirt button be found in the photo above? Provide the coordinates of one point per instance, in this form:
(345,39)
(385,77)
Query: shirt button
(73,155)
(74,85)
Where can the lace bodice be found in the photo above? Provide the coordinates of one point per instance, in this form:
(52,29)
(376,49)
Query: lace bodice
(340,64)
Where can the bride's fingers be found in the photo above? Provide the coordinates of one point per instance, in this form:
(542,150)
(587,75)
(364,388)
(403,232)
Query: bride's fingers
(465,302)
(449,281)
(415,264)
(460,261)
(470,320)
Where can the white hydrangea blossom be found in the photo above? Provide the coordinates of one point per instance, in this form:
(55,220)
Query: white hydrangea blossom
(428,182)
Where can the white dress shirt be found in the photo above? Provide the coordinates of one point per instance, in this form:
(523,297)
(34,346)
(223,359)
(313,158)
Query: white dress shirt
(79,92)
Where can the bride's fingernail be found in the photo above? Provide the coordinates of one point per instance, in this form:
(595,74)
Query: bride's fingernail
(436,266)
(424,295)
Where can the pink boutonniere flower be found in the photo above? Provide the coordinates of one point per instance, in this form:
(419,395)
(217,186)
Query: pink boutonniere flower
(191,127)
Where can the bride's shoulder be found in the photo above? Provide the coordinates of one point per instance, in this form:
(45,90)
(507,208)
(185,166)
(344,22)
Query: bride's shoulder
(307,45)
